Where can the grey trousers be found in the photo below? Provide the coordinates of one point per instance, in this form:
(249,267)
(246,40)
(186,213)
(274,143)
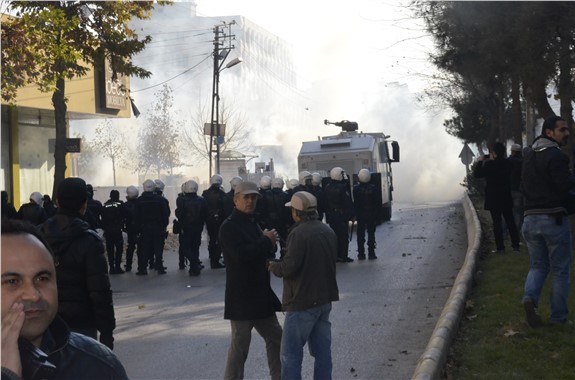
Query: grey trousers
(270,330)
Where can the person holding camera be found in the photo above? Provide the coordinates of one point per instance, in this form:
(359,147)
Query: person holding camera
(36,343)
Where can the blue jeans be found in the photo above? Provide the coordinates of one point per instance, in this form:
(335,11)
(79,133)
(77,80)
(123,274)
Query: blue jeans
(549,246)
(311,326)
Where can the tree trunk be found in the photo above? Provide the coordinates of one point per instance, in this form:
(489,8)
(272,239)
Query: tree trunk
(114,170)
(538,95)
(517,132)
(60,109)
(567,93)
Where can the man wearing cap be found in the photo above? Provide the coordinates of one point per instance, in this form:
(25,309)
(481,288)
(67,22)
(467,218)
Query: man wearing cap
(546,181)
(113,221)
(250,301)
(33,212)
(310,286)
(84,292)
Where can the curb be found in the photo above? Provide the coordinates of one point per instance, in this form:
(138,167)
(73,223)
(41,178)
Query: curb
(430,364)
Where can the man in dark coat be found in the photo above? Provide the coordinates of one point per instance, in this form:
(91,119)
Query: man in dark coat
(214,197)
(339,211)
(250,301)
(113,222)
(49,206)
(33,212)
(94,212)
(84,292)
(497,173)
(31,326)
(153,216)
(365,199)
(7,208)
(131,225)
(192,213)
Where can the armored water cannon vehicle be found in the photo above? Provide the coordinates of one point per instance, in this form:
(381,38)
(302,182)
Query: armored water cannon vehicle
(353,151)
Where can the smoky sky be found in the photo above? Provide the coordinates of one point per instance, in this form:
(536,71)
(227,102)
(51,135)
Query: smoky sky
(342,86)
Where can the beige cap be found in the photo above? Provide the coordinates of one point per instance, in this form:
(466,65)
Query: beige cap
(246,187)
(303,201)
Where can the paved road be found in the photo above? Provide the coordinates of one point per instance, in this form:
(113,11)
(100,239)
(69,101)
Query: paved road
(172,327)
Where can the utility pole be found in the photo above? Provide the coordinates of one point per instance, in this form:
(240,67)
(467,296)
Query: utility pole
(222,34)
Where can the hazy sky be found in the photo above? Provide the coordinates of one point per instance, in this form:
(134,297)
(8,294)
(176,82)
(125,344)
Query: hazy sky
(356,49)
(367,61)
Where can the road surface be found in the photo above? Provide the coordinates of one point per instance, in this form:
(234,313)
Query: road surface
(172,326)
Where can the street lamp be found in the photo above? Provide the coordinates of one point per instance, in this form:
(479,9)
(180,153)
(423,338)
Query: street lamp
(215,125)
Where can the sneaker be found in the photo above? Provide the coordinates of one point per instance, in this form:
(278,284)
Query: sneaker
(531,314)
(361,256)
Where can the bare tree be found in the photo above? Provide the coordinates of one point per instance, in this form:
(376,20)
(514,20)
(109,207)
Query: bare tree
(237,136)
(158,139)
(110,143)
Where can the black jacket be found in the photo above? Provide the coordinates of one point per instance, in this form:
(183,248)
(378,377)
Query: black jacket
(113,216)
(76,356)
(338,203)
(545,177)
(33,213)
(249,294)
(152,211)
(497,174)
(214,197)
(366,200)
(84,292)
(191,211)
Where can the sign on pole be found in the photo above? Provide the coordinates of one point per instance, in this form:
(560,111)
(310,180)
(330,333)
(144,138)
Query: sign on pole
(219,131)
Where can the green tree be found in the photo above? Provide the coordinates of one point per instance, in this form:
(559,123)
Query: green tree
(50,41)
(158,140)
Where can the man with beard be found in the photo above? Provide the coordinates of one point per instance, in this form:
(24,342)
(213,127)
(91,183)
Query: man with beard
(546,181)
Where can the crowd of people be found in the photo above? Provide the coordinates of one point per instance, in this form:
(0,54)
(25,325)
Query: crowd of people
(532,193)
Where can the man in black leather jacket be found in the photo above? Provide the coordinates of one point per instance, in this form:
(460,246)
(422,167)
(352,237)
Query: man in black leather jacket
(84,292)
(250,301)
(36,343)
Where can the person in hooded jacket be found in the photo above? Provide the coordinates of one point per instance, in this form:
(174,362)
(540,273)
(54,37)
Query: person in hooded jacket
(33,212)
(84,291)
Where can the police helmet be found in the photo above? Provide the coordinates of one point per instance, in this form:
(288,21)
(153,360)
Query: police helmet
(315,179)
(190,186)
(292,183)
(159,184)
(303,176)
(149,185)
(234,182)
(278,183)
(216,180)
(265,182)
(337,174)
(364,176)
(132,192)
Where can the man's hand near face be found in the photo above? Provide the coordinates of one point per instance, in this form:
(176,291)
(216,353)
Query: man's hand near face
(12,323)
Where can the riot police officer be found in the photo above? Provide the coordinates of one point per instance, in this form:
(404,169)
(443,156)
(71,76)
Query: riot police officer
(160,186)
(131,225)
(365,197)
(214,198)
(291,186)
(317,191)
(262,205)
(339,211)
(113,220)
(278,214)
(305,179)
(192,213)
(229,198)
(153,217)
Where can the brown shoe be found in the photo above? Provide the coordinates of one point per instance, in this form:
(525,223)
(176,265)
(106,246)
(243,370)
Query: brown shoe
(531,314)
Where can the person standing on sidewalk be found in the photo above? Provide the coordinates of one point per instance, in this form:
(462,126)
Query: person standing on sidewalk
(250,301)
(546,183)
(497,173)
(113,221)
(310,286)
